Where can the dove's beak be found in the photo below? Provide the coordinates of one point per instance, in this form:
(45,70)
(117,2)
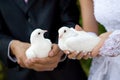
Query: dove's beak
(44,31)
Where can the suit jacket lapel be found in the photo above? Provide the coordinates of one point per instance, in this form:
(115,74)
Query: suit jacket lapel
(24,6)
(21,4)
(30,3)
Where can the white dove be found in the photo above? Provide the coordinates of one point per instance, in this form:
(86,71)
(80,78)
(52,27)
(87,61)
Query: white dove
(40,46)
(73,40)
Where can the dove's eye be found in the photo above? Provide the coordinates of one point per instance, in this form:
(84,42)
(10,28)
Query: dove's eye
(64,31)
(39,33)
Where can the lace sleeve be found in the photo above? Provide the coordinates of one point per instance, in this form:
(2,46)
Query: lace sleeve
(111,46)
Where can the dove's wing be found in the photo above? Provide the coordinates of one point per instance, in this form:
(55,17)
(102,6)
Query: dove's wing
(48,41)
(42,48)
(74,43)
(83,33)
(62,45)
(79,43)
(30,54)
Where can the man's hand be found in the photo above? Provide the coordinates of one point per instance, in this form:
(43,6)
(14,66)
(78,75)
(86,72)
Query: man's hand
(46,64)
(78,28)
(18,49)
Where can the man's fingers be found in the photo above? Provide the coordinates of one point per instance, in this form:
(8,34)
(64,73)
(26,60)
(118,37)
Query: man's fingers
(78,28)
(39,67)
(55,50)
(39,64)
(79,56)
(66,52)
(21,63)
(72,55)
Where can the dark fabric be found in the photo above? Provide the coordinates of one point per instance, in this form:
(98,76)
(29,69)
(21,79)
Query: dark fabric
(67,70)
(18,20)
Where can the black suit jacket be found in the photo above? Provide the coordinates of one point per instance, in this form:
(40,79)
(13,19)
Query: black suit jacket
(18,20)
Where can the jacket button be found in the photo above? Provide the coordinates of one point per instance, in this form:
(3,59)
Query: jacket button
(29,19)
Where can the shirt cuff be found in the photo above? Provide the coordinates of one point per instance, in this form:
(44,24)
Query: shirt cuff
(63,58)
(13,59)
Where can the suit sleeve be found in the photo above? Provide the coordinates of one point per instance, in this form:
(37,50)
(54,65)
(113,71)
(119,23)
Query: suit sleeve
(4,42)
(69,12)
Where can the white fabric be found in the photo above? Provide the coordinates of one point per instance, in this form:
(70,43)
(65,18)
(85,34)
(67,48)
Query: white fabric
(107,66)
(107,12)
(13,59)
(111,47)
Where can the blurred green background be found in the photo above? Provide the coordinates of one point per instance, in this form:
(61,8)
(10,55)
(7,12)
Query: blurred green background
(85,63)
(2,72)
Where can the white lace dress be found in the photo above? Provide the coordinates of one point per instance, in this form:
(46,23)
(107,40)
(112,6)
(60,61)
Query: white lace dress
(105,67)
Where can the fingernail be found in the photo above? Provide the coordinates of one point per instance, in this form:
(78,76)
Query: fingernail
(51,54)
(83,51)
(73,58)
(67,52)
(76,52)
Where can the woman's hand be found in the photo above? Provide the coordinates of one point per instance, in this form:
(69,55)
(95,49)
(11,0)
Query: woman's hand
(103,37)
(95,51)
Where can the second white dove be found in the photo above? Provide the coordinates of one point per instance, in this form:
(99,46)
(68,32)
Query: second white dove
(72,40)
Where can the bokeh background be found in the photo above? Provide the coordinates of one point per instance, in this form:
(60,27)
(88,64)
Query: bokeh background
(2,71)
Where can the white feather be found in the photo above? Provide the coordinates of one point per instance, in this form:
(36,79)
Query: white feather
(40,46)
